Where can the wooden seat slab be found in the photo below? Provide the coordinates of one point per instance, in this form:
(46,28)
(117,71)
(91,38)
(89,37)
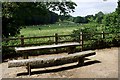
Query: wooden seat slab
(25,49)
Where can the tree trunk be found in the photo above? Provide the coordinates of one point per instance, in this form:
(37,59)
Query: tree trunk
(51,61)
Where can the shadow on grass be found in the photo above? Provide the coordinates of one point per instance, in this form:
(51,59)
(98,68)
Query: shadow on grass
(60,69)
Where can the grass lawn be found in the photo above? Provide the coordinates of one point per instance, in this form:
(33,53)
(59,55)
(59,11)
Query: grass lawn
(51,29)
(60,27)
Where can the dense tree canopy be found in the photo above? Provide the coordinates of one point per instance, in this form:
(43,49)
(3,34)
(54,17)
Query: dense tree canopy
(16,14)
(112,20)
(99,17)
(64,7)
(118,11)
(90,18)
(80,19)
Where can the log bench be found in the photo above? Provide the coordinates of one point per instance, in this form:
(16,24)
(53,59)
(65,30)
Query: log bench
(51,61)
(25,50)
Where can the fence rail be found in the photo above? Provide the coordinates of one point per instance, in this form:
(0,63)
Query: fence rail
(103,33)
(55,39)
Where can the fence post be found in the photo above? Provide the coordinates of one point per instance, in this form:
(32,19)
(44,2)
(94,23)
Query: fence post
(25,56)
(56,40)
(103,35)
(22,40)
(81,40)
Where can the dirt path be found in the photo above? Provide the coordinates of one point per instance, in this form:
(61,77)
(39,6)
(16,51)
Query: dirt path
(103,65)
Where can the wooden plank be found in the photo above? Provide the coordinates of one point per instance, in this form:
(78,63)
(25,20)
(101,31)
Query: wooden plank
(4,39)
(24,49)
(36,44)
(27,38)
(65,41)
(51,61)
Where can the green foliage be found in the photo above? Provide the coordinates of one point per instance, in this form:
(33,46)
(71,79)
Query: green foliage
(118,12)
(92,40)
(99,17)
(76,33)
(80,19)
(110,19)
(64,7)
(89,18)
(8,53)
(16,14)
(63,29)
(96,44)
(35,13)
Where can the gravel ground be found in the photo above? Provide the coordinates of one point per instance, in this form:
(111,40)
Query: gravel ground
(102,65)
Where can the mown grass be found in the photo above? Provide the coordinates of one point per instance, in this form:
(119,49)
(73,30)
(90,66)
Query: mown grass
(45,30)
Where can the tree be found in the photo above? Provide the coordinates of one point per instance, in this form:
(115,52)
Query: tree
(112,20)
(14,15)
(99,17)
(118,12)
(17,14)
(64,7)
(78,19)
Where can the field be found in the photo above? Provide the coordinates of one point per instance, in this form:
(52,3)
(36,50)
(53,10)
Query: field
(67,28)
(44,30)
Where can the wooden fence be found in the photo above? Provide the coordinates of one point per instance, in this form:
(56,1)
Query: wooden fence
(55,39)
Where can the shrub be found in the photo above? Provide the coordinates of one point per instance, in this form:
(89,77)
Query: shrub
(76,33)
(99,42)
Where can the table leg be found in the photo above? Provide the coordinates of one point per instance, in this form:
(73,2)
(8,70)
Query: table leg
(71,50)
(29,69)
(81,61)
